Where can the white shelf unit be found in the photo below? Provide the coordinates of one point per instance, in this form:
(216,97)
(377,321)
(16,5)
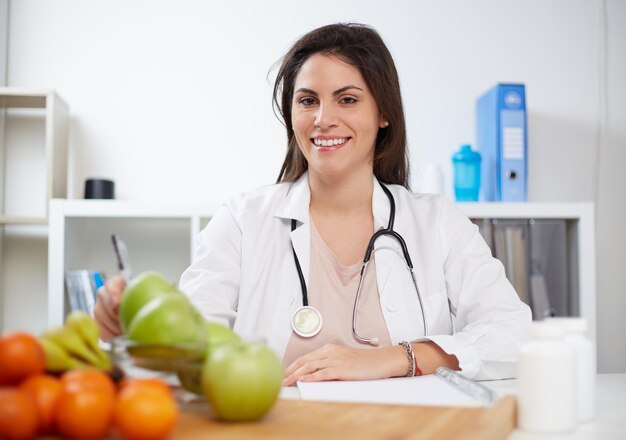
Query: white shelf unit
(34,138)
(32,112)
(580,225)
(161,236)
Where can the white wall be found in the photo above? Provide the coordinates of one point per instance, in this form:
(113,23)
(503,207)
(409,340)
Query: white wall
(4,29)
(171,99)
(179,89)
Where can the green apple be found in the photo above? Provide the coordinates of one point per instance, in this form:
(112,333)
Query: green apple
(218,333)
(168,319)
(140,291)
(241,380)
(190,377)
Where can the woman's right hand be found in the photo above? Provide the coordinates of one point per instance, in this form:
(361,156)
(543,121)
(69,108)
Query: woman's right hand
(106,310)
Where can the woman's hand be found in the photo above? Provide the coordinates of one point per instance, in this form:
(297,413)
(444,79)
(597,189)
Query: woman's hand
(338,362)
(107,307)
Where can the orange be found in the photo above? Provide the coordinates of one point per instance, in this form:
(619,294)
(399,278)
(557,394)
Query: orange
(75,380)
(145,412)
(84,414)
(18,414)
(85,406)
(20,356)
(46,390)
(143,382)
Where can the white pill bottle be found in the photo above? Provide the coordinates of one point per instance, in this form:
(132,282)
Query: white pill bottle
(576,336)
(547,382)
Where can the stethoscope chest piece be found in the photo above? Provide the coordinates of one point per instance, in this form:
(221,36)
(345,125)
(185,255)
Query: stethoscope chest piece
(306,321)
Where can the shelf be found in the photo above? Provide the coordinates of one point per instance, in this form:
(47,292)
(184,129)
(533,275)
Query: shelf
(162,236)
(8,220)
(159,236)
(27,137)
(535,210)
(126,209)
(23,98)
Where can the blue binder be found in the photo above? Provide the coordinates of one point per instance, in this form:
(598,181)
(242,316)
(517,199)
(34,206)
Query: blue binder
(501,140)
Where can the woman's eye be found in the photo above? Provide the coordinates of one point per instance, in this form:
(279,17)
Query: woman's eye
(307,101)
(348,100)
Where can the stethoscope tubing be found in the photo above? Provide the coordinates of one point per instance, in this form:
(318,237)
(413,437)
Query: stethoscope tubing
(366,259)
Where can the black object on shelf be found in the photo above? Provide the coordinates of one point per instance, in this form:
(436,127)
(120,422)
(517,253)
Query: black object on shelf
(99,189)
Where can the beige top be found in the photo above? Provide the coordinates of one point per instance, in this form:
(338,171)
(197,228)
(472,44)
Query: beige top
(332,290)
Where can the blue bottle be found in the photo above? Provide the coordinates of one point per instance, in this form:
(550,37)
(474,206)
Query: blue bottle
(466,174)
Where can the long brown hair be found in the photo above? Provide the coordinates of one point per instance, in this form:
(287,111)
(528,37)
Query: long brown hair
(362,47)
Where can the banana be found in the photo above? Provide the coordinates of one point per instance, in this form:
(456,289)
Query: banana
(84,325)
(57,359)
(74,345)
(69,340)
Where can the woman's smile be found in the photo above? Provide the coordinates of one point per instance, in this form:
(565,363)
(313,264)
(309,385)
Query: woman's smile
(329,143)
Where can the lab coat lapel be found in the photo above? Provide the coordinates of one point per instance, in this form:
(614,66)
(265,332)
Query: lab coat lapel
(296,206)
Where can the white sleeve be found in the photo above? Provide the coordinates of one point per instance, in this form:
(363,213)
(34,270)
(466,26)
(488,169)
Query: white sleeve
(212,280)
(491,322)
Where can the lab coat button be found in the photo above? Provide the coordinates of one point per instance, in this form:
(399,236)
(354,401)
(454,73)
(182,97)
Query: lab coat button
(392,307)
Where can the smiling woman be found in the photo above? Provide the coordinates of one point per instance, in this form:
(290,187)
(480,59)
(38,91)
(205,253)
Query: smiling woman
(343,270)
(366,59)
(333,111)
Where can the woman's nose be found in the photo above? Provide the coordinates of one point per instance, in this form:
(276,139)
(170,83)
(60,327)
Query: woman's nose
(325,117)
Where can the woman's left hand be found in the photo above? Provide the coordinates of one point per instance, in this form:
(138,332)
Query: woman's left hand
(338,362)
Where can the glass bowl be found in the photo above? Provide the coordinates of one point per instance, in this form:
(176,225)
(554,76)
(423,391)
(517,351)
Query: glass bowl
(181,360)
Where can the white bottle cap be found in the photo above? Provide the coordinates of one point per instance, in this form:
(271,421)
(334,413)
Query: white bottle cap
(570,324)
(545,330)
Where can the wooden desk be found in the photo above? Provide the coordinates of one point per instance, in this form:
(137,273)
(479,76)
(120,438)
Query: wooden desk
(295,419)
(299,419)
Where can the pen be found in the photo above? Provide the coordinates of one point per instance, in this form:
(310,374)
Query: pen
(467,385)
(121,253)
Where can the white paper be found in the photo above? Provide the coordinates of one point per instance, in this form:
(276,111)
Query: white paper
(422,390)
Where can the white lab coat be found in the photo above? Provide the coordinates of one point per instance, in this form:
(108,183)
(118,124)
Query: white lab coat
(244,275)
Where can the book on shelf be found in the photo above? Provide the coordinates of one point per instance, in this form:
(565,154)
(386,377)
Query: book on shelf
(535,258)
(549,266)
(511,247)
(81,287)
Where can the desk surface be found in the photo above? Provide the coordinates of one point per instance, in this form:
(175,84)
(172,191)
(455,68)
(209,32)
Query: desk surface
(608,424)
(295,418)
(301,419)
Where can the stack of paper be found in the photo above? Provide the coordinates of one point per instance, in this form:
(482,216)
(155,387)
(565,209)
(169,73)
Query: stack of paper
(427,390)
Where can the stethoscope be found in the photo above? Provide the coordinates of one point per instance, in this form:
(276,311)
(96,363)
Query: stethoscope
(307,321)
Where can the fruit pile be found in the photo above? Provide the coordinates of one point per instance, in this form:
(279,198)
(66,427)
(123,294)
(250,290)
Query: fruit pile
(241,380)
(60,385)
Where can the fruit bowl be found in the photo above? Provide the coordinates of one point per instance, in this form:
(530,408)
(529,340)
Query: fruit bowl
(159,357)
(185,360)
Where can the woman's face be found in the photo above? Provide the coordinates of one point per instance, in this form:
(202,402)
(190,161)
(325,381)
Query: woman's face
(334,117)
